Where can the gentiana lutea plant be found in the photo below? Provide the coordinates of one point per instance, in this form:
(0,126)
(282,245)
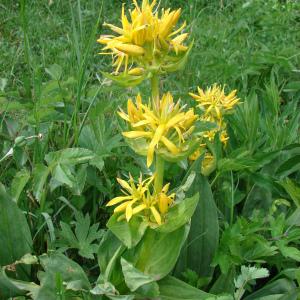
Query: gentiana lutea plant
(149,43)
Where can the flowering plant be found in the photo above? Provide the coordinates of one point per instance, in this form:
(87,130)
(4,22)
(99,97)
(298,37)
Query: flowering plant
(146,215)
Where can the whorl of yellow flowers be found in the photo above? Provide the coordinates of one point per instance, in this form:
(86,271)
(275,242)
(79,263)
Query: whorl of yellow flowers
(141,198)
(144,37)
(215,104)
(165,128)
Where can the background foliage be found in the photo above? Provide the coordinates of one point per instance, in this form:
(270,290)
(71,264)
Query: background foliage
(61,147)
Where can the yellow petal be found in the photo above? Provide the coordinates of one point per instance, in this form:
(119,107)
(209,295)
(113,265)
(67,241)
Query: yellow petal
(121,207)
(195,96)
(158,133)
(165,188)
(137,134)
(138,209)
(170,146)
(140,123)
(163,203)
(128,213)
(136,71)
(175,120)
(156,215)
(178,30)
(117,200)
(123,116)
(130,49)
(124,185)
(115,28)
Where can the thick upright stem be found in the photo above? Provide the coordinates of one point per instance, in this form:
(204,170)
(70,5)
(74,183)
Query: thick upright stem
(159,173)
(159,162)
(155,91)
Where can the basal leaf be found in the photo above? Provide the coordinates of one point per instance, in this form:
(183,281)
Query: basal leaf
(202,242)
(172,288)
(15,237)
(158,252)
(139,282)
(40,175)
(57,264)
(19,182)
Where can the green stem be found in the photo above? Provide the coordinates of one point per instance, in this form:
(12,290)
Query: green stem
(159,173)
(159,162)
(155,91)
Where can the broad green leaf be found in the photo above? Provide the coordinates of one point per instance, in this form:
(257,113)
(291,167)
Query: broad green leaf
(294,218)
(258,198)
(172,288)
(103,289)
(55,264)
(40,175)
(179,214)
(203,238)
(107,248)
(108,290)
(157,253)
(292,86)
(130,233)
(55,71)
(290,252)
(139,282)
(80,178)
(63,174)
(11,287)
(61,164)
(292,189)
(85,236)
(15,237)
(70,156)
(290,166)
(7,288)
(224,283)
(20,156)
(277,287)
(19,182)
(109,252)
(121,297)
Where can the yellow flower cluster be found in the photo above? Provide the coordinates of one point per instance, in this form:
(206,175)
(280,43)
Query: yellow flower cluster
(144,38)
(165,128)
(141,198)
(215,104)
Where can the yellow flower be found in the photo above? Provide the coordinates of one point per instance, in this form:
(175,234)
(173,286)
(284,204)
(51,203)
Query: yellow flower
(210,135)
(215,102)
(140,198)
(224,137)
(208,163)
(167,127)
(144,36)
